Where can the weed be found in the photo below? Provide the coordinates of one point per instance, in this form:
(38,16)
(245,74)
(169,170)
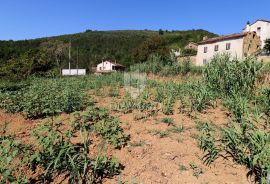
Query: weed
(182,168)
(177,129)
(167,120)
(137,143)
(197,171)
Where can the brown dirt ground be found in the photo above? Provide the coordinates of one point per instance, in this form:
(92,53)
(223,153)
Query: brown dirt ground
(149,159)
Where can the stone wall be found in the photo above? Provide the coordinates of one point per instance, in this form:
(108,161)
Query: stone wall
(251,44)
(265,59)
(191,58)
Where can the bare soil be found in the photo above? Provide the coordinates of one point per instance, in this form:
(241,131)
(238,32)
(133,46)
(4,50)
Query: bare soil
(150,158)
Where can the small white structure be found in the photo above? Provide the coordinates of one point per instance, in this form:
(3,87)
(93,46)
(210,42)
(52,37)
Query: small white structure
(176,52)
(261,27)
(108,66)
(74,72)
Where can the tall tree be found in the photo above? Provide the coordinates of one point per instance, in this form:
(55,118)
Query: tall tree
(154,45)
(55,50)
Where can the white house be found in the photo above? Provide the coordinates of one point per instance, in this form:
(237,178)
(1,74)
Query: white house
(108,66)
(262,28)
(240,45)
(236,45)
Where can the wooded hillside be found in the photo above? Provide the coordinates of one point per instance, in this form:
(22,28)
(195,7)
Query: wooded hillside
(88,48)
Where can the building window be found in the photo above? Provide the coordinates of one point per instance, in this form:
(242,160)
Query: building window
(216,47)
(204,61)
(228,46)
(205,49)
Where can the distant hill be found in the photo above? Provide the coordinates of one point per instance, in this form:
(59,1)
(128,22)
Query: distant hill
(90,47)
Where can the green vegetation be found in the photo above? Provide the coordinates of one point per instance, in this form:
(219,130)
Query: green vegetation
(197,171)
(168,121)
(47,56)
(235,85)
(244,140)
(267,46)
(44,98)
(11,158)
(166,66)
(56,154)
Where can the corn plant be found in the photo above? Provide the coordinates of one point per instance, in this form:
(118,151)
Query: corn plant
(126,106)
(207,142)
(57,155)
(249,146)
(159,95)
(201,98)
(237,105)
(167,105)
(225,76)
(105,167)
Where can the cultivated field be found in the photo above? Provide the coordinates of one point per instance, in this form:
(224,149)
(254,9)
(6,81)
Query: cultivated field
(206,128)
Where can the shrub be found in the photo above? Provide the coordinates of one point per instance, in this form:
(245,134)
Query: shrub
(111,131)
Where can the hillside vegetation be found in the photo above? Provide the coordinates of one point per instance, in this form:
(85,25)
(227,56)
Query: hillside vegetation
(46,56)
(89,129)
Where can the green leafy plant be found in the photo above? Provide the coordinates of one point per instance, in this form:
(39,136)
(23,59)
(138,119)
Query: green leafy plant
(111,131)
(57,155)
(11,158)
(168,121)
(197,171)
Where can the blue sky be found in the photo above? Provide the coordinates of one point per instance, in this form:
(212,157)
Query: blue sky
(26,19)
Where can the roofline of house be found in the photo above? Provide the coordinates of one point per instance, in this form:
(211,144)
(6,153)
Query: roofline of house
(263,20)
(222,38)
(113,63)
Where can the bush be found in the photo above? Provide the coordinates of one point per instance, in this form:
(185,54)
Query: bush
(168,66)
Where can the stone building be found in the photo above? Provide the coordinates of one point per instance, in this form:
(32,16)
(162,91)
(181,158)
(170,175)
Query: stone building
(261,27)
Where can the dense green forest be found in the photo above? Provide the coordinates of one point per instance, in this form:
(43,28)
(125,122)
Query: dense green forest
(19,59)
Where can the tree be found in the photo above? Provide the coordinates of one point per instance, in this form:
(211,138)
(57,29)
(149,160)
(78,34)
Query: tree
(55,51)
(160,32)
(188,52)
(154,45)
(267,46)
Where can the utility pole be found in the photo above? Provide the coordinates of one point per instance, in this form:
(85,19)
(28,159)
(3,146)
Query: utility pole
(69,57)
(77,60)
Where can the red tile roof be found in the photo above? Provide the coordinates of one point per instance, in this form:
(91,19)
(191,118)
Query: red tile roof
(222,38)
